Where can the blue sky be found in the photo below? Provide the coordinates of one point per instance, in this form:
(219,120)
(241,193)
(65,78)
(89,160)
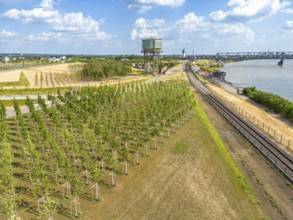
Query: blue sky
(117,26)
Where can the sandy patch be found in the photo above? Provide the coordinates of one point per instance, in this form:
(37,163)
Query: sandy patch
(64,67)
(10,75)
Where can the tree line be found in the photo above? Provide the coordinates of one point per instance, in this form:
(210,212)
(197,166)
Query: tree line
(274,102)
(99,69)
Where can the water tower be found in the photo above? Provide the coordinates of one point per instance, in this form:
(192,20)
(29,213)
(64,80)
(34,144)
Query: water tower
(151,49)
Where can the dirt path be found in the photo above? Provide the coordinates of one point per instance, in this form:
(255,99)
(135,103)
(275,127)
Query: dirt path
(275,194)
(193,185)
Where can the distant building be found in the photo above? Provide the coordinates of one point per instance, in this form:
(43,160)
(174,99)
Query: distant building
(53,59)
(57,59)
(43,59)
(5,59)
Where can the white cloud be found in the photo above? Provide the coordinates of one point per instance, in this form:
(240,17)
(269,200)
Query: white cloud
(144,28)
(191,28)
(76,22)
(65,37)
(289,25)
(250,10)
(287,35)
(48,4)
(237,30)
(60,22)
(13,1)
(171,3)
(141,6)
(287,11)
(36,14)
(7,34)
(192,22)
(44,37)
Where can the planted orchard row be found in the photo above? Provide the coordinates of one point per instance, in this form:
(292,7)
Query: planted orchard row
(54,79)
(7,186)
(76,141)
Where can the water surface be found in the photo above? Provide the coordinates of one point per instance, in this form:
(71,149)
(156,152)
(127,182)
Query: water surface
(265,75)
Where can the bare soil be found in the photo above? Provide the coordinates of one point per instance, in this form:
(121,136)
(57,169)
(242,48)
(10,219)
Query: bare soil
(274,193)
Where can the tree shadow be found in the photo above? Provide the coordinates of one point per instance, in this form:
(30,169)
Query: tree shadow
(62,210)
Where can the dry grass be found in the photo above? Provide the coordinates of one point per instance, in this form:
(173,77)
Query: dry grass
(277,129)
(9,75)
(59,75)
(201,182)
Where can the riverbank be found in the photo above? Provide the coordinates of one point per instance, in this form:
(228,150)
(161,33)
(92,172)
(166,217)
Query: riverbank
(279,129)
(274,193)
(265,75)
(229,87)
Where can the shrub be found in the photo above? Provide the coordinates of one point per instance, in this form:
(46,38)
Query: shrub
(99,69)
(274,102)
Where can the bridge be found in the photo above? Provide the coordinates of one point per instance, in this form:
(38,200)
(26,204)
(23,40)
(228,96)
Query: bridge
(247,56)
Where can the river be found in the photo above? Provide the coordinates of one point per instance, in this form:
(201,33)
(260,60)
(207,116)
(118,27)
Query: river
(265,75)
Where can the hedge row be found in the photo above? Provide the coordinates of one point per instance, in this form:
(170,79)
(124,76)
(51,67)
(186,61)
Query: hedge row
(274,102)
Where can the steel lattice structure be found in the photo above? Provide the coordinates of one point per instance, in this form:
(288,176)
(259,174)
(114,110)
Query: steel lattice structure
(247,56)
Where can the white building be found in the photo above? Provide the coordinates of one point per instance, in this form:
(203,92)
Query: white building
(5,59)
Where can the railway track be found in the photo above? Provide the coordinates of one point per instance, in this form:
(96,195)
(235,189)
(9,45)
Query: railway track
(270,150)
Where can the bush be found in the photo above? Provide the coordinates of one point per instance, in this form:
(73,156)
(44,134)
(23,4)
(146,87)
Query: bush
(274,102)
(99,69)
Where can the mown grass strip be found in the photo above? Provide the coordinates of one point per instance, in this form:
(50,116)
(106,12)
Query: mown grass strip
(33,91)
(239,181)
(9,103)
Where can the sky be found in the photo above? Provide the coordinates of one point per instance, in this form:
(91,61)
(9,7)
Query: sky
(102,27)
